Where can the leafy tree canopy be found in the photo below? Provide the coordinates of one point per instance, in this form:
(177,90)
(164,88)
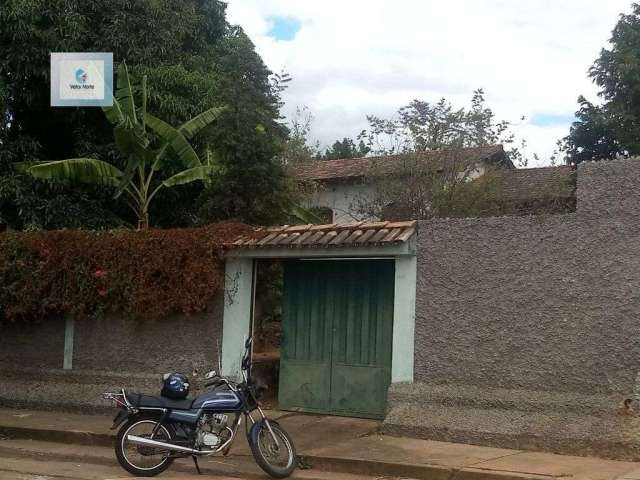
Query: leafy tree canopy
(421,126)
(612,128)
(345,148)
(132,128)
(194,59)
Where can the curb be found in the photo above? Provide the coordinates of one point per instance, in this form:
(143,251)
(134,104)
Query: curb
(110,461)
(353,466)
(375,468)
(77,437)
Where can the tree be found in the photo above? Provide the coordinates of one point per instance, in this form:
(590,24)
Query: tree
(423,126)
(253,187)
(612,128)
(592,136)
(194,59)
(345,148)
(297,147)
(134,143)
(451,186)
(419,190)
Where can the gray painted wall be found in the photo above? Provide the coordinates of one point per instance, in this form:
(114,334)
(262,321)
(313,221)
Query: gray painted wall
(112,344)
(527,330)
(541,303)
(33,345)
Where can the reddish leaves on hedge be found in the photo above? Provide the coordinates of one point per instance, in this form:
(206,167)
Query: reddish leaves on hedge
(148,274)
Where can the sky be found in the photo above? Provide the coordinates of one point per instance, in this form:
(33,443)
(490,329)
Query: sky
(351,58)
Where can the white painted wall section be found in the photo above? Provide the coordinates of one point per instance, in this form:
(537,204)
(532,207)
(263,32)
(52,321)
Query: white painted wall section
(404,320)
(238,292)
(343,198)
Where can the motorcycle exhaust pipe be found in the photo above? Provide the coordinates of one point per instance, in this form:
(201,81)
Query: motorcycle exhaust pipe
(147,442)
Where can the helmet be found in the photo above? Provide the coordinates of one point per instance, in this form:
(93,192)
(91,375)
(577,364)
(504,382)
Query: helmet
(175,385)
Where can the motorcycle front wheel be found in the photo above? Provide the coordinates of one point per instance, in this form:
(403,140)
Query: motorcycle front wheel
(140,460)
(278,459)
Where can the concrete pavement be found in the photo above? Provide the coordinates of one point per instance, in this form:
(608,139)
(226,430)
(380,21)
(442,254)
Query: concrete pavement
(34,469)
(33,460)
(325,444)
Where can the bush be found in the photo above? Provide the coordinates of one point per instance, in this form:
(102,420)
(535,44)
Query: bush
(147,274)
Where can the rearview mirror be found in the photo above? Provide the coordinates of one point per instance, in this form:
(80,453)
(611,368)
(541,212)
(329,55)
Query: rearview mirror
(211,374)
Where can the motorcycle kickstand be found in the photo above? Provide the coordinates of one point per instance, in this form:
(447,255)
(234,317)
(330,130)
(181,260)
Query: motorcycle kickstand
(195,461)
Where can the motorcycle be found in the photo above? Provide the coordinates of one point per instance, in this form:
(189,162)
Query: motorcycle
(155,430)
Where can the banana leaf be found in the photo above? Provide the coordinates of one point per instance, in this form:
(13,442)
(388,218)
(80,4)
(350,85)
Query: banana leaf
(124,93)
(23,167)
(114,113)
(79,170)
(185,152)
(201,173)
(131,142)
(192,127)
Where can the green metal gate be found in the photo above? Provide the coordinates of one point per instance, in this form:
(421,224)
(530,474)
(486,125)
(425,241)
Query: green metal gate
(337,336)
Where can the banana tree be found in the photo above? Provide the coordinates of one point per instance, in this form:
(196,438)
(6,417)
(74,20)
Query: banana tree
(144,155)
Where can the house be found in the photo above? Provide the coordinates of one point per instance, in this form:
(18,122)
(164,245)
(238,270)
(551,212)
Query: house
(345,183)
(513,331)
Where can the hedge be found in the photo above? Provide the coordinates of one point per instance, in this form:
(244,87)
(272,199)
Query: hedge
(148,274)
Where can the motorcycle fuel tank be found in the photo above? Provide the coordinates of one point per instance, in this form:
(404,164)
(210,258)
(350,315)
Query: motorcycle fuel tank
(212,402)
(220,401)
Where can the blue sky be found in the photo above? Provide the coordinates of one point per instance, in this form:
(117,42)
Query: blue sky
(284,28)
(550,119)
(350,59)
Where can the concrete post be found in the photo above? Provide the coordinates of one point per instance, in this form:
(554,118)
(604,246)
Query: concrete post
(238,293)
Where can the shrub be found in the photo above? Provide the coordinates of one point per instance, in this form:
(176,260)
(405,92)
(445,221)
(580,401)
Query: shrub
(147,274)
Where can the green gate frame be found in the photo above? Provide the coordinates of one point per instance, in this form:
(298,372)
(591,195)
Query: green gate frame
(239,292)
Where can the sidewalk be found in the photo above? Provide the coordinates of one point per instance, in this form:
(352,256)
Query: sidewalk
(334,444)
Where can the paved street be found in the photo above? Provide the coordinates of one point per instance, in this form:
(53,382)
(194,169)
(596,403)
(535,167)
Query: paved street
(52,461)
(329,447)
(34,469)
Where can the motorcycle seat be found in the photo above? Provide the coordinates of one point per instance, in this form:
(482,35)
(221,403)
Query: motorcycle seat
(158,401)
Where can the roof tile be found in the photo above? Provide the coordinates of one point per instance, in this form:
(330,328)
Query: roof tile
(389,164)
(330,236)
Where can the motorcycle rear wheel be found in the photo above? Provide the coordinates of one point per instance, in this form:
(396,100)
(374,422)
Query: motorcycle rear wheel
(139,460)
(279,460)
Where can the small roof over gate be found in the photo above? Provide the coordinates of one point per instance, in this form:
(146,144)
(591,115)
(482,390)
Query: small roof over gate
(327,236)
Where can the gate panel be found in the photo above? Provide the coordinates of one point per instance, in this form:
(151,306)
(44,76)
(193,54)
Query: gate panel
(337,336)
(306,339)
(361,357)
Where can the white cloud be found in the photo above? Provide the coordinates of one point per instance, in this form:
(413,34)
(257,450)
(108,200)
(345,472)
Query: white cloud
(355,57)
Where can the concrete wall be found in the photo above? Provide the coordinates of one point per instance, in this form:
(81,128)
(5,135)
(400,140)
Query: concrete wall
(545,302)
(33,345)
(528,328)
(182,343)
(108,354)
(115,345)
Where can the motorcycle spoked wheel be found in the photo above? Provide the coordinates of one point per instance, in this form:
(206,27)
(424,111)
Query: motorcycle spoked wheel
(140,460)
(280,460)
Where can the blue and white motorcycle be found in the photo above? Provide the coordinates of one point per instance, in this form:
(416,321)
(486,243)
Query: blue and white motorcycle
(154,430)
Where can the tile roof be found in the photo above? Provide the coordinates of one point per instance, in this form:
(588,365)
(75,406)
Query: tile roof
(390,164)
(359,234)
(537,183)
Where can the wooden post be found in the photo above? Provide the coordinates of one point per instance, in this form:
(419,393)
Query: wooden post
(68,343)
